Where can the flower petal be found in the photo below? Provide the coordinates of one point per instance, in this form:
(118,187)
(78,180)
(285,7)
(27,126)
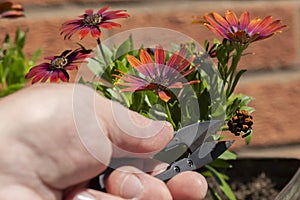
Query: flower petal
(103,10)
(159,55)
(133,61)
(54,76)
(211,23)
(89,11)
(164,96)
(145,57)
(46,76)
(83,32)
(272,28)
(216,31)
(244,20)
(221,20)
(38,77)
(176,85)
(63,75)
(95,32)
(263,24)
(176,59)
(71,67)
(232,18)
(142,68)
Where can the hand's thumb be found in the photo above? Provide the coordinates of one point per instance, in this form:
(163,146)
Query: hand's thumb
(133,134)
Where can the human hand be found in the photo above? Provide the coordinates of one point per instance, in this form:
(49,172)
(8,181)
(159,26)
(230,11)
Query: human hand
(56,137)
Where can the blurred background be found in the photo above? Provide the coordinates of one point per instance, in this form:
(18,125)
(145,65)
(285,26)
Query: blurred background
(273,78)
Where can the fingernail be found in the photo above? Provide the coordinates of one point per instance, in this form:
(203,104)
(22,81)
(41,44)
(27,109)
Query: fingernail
(84,196)
(131,187)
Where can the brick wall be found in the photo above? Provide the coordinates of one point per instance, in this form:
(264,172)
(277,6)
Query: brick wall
(274,75)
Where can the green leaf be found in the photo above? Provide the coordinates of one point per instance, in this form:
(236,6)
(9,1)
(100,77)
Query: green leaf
(206,43)
(219,163)
(108,55)
(95,66)
(238,102)
(11,89)
(6,39)
(35,56)
(248,137)
(228,155)
(216,41)
(222,55)
(20,38)
(248,109)
(124,48)
(206,173)
(214,194)
(236,79)
(121,66)
(137,101)
(223,185)
(82,81)
(14,64)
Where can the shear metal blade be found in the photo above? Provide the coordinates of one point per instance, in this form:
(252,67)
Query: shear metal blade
(196,160)
(194,135)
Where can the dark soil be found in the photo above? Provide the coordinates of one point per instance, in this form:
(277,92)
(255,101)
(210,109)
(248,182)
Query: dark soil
(260,187)
(258,179)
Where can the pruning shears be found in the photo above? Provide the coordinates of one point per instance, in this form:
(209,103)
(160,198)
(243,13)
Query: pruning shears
(191,148)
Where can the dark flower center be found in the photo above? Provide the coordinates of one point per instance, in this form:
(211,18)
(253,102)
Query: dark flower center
(242,121)
(242,37)
(58,63)
(160,82)
(92,20)
(161,87)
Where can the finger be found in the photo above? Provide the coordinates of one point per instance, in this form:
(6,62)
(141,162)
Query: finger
(188,185)
(60,128)
(147,165)
(129,182)
(133,134)
(88,194)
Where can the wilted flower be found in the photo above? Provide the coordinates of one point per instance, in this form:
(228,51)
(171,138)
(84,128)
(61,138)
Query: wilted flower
(11,10)
(242,121)
(241,30)
(92,22)
(58,66)
(157,75)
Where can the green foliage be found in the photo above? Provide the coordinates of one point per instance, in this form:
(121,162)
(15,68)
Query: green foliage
(188,105)
(221,179)
(212,98)
(14,64)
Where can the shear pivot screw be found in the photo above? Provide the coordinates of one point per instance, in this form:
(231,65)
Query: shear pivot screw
(176,169)
(190,163)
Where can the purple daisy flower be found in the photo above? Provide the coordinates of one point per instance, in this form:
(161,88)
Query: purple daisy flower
(242,30)
(57,68)
(92,22)
(157,75)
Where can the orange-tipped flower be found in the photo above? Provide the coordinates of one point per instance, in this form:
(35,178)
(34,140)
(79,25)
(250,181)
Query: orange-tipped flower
(241,30)
(157,75)
(11,10)
(91,22)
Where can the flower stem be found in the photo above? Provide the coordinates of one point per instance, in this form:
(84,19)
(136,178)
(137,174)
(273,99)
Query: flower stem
(3,84)
(169,115)
(102,51)
(232,71)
